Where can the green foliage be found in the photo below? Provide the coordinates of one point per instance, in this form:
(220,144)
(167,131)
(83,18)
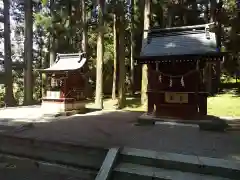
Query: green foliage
(43,20)
(44,2)
(61,21)
(2,94)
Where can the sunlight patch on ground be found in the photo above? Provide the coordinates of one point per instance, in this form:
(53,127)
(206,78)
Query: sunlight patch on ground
(235,157)
(99,112)
(224,105)
(21,112)
(10,116)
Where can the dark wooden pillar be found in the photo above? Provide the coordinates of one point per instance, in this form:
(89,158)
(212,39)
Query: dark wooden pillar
(150,95)
(219,44)
(209,78)
(150,105)
(203,105)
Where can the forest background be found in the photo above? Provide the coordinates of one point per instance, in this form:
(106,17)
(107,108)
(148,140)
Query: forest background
(111,32)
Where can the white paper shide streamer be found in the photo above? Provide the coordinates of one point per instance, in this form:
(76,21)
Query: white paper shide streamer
(160,78)
(170,82)
(182,82)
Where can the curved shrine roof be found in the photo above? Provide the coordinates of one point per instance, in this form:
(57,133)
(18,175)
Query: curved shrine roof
(67,62)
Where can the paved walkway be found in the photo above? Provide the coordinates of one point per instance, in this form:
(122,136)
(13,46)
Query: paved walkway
(116,128)
(20,114)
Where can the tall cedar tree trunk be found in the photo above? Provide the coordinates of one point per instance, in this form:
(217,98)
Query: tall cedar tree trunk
(147,11)
(206,13)
(116,49)
(184,13)
(42,65)
(213,4)
(9,98)
(99,68)
(219,46)
(85,27)
(139,25)
(170,17)
(132,46)
(121,55)
(52,53)
(28,53)
(206,69)
(84,45)
(52,44)
(43,76)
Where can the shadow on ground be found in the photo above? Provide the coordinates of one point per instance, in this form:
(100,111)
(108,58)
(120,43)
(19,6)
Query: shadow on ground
(117,128)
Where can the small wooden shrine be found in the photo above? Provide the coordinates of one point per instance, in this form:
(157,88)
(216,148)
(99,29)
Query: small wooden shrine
(178,60)
(67,91)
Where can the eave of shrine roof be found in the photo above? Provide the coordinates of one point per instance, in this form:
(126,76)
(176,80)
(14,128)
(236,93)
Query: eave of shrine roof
(180,44)
(67,62)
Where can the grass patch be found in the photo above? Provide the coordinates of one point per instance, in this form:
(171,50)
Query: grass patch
(227,104)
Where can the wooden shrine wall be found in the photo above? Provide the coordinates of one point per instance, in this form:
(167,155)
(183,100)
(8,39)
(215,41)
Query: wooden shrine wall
(160,79)
(179,78)
(75,86)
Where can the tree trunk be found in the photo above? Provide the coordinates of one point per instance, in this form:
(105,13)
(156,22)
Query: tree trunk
(213,5)
(206,13)
(9,98)
(184,17)
(144,98)
(52,51)
(52,45)
(121,55)
(170,17)
(219,46)
(85,27)
(28,54)
(139,26)
(132,46)
(116,49)
(99,68)
(43,75)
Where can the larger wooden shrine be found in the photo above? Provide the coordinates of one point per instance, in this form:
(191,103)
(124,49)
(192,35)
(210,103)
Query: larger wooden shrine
(178,60)
(67,87)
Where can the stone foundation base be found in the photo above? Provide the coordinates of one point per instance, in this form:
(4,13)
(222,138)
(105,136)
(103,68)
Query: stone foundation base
(151,119)
(216,124)
(54,107)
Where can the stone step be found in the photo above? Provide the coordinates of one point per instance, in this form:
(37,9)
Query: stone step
(129,171)
(234,126)
(68,154)
(185,163)
(26,166)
